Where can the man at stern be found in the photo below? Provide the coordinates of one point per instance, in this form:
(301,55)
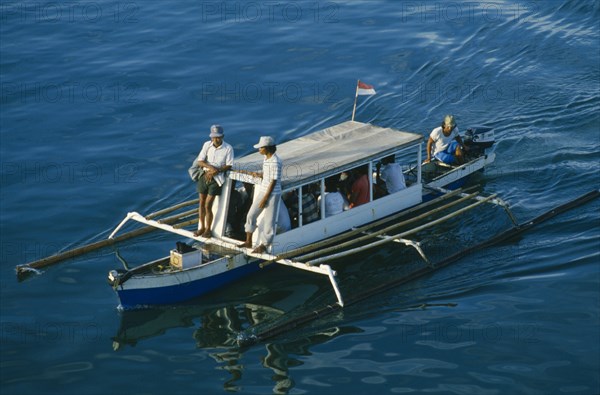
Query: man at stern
(445,143)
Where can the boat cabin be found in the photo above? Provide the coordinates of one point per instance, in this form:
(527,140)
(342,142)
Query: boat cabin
(309,163)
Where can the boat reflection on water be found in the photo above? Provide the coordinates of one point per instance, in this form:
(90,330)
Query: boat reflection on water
(224,330)
(280,357)
(230,325)
(219,326)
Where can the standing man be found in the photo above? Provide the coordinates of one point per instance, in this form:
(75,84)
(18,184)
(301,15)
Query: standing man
(447,144)
(268,197)
(215,158)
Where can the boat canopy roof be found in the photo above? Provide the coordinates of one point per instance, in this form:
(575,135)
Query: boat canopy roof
(329,151)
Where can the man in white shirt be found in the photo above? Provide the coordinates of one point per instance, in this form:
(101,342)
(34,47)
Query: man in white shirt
(215,159)
(267,198)
(334,201)
(391,175)
(446,142)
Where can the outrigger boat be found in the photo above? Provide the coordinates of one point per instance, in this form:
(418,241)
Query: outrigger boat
(211,263)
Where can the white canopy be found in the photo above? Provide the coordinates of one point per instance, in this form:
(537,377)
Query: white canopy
(330,151)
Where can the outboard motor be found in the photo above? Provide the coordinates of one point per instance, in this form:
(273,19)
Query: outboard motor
(478,139)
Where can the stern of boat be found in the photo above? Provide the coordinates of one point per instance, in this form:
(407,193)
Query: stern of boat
(188,272)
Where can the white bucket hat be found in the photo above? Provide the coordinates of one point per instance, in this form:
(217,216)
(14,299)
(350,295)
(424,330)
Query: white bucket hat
(265,141)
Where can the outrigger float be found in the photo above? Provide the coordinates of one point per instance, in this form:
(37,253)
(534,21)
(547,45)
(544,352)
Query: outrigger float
(211,263)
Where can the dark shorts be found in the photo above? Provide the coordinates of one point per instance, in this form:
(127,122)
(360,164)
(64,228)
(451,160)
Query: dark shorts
(210,188)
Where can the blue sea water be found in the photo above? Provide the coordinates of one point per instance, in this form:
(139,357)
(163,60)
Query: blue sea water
(105,103)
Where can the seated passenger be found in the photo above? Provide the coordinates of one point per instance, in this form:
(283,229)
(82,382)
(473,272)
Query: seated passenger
(361,190)
(334,201)
(310,209)
(390,178)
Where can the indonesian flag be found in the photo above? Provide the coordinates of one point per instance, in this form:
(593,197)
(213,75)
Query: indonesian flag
(365,89)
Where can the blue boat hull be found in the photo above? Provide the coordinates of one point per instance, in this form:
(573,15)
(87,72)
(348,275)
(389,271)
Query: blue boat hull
(136,298)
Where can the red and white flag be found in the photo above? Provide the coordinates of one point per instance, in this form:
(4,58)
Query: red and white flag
(365,89)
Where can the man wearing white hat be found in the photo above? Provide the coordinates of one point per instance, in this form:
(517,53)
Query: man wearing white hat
(215,158)
(268,197)
(446,143)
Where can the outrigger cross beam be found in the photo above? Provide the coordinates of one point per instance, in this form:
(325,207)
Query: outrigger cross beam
(320,269)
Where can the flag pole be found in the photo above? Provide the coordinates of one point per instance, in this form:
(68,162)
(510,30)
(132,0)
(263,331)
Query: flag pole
(355,98)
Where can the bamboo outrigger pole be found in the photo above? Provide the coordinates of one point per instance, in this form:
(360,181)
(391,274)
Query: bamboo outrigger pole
(172,208)
(23,270)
